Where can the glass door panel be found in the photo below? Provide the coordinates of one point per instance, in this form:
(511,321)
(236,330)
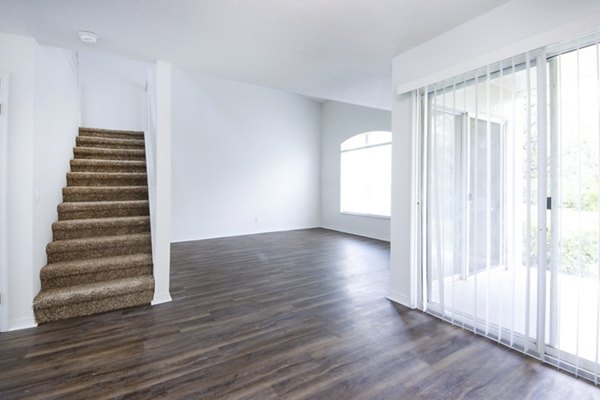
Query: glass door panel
(482,204)
(573,293)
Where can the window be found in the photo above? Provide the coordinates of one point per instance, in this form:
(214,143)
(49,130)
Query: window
(366,174)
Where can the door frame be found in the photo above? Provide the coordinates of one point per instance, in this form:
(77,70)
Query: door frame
(534,343)
(4,107)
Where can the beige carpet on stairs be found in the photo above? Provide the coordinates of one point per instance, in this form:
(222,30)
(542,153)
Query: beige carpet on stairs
(100,258)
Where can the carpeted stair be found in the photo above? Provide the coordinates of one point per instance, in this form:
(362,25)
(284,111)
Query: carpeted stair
(100,258)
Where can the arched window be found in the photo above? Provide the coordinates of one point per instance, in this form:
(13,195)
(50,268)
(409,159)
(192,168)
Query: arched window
(366,174)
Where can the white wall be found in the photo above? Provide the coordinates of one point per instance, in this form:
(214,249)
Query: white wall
(56,126)
(113,92)
(17,57)
(43,115)
(245,159)
(339,121)
(511,29)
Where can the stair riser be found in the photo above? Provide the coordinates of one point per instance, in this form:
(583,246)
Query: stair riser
(62,234)
(107,144)
(112,135)
(106,181)
(97,194)
(141,211)
(81,279)
(94,251)
(108,168)
(112,155)
(44,315)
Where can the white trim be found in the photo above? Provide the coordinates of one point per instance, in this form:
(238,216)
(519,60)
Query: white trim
(349,232)
(368,146)
(160,298)
(22,323)
(357,214)
(229,235)
(4,82)
(400,298)
(415,201)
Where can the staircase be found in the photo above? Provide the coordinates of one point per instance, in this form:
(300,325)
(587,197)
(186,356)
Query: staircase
(100,258)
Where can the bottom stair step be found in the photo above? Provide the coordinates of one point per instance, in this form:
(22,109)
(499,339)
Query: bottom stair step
(74,301)
(78,272)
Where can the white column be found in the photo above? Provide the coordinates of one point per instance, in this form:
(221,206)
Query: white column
(405,210)
(162,250)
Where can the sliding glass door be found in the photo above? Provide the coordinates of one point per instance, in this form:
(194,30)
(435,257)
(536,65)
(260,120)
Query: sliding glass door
(511,217)
(573,295)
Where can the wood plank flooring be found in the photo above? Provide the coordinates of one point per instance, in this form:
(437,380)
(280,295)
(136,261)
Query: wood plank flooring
(291,315)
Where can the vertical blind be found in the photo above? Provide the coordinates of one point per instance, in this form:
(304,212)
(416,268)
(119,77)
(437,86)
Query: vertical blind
(511,217)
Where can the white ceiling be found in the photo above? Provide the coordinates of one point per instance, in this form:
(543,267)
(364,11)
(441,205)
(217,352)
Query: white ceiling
(328,49)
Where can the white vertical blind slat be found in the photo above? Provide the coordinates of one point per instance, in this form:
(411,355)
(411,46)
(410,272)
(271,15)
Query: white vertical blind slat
(488,199)
(558,201)
(443,172)
(514,257)
(436,206)
(465,201)
(579,210)
(425,200)
(474,194)
(541,111)
(598,205)
(455,170)
(528,202)
(504,183)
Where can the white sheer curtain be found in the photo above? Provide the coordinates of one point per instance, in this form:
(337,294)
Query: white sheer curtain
(511,213)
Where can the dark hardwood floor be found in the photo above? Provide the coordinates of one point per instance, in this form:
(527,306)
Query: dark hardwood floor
(290,315)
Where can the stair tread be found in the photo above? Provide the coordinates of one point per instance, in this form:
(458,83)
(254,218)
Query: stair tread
(94,139)
(100,130)
(104,150)
(108,174)
(94,162)
(92,291)
(107,178)
(106,240)
(91,205)
(83,149)
(105,189)
(96,194)
(100,222)
(91,265)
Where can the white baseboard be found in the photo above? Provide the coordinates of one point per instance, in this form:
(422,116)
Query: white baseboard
(355,233)
(22,323)
(160,298)
(400,298)
(244,233)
